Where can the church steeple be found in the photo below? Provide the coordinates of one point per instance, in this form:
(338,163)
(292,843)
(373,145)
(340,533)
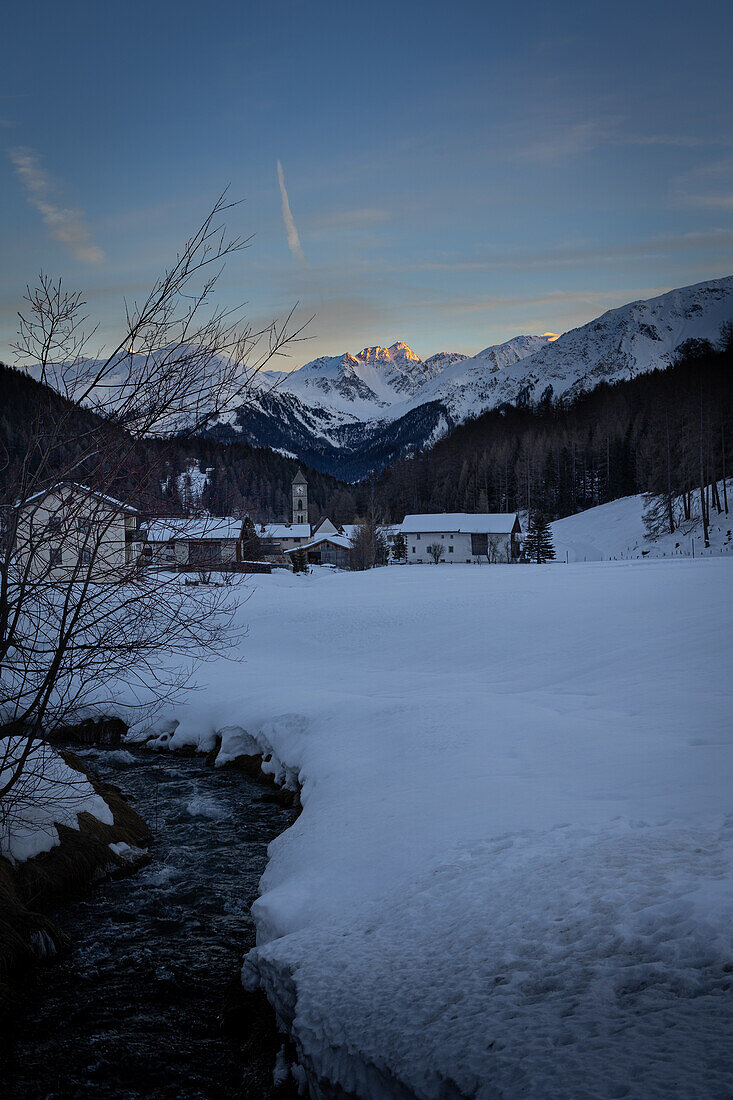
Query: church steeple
(299,495)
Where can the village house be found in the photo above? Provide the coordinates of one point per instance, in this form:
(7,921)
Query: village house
(483,537)
(277,538)
(71,530)
(204,542)
(326,550)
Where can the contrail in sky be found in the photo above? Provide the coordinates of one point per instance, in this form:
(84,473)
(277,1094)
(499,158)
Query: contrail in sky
(65,225)
(290,226)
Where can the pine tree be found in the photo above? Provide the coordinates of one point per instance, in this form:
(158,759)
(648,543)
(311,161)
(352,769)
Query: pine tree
(399,548)
(251,544)
(538,545)
(299,560)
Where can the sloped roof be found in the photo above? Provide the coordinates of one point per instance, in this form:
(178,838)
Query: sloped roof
(299,478)
(326,527)
(283,530)
(481,523)
(181,528)
(78,487)
(337,540)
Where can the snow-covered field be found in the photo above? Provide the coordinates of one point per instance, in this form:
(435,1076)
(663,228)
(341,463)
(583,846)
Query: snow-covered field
(513,872)
(616,530)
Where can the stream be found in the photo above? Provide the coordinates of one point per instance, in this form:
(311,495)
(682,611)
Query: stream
(146,1002)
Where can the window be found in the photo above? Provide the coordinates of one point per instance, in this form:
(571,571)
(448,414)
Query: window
(300,505)
(450,548)
(450,536)
(54,524)
(417,538)
(85,557)
(414,550)
(57,556)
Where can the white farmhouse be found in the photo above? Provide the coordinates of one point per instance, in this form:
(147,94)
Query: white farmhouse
(71,532)
(465,537)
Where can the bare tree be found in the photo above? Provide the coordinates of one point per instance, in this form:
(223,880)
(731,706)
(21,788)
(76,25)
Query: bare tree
(79,616)
(436,551)
(369,545)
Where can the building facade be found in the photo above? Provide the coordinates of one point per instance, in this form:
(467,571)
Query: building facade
(326,549)
(464,537)
(208,542)
(71,531)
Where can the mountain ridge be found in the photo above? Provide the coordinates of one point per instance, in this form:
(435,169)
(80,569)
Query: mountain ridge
(335,408)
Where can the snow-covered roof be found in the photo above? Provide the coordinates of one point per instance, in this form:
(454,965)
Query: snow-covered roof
(201,527)
(283,530)
(326,527)
(77,486)
(481,523)
(337,540)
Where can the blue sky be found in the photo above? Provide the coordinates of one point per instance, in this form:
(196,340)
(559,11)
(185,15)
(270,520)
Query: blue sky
(457,173)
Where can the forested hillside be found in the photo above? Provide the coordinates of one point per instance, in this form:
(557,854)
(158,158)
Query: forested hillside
(240,478)
(668,433)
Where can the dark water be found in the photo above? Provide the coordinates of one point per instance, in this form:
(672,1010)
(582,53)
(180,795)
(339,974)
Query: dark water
(147,1002)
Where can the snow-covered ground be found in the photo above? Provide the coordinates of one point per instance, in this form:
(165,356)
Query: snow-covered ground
(49,793)
(513,872)
(616,530)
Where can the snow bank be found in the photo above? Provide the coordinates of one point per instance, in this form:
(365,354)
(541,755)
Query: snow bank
(49,793)
(513,870)
(616,530)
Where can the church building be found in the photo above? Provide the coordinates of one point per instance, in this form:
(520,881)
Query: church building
(281,537)
(299,492)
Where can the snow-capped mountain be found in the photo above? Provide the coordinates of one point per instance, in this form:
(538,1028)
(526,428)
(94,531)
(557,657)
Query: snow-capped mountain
(349,414)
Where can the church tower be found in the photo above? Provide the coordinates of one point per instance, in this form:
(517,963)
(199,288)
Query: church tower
(299,491)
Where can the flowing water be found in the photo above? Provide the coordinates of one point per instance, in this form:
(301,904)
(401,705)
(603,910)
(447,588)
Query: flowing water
(145,1003)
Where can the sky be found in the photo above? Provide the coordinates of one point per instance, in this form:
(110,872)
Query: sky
(447,174)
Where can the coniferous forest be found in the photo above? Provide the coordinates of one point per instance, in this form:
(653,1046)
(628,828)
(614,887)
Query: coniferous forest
(667,433)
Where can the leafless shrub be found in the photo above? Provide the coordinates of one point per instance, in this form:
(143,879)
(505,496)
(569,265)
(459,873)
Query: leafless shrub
(79,615)
(436,551)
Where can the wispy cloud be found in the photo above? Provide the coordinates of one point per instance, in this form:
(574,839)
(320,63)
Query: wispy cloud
(712,202)
(552,298)
(64,225)
(581,256)
(350,219)
(564,139)
(290,226)
(708,186)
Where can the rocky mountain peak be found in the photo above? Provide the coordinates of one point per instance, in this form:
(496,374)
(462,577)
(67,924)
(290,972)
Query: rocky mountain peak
(397,353)
(374,354)
(400,350)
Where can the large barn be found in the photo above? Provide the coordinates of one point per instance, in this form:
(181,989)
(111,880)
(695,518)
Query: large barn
(464,537)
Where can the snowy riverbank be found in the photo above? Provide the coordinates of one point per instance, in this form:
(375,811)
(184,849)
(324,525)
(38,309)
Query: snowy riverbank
(512,872)
(66,830)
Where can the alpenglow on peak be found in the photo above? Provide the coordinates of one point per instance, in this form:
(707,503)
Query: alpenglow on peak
(395,353)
